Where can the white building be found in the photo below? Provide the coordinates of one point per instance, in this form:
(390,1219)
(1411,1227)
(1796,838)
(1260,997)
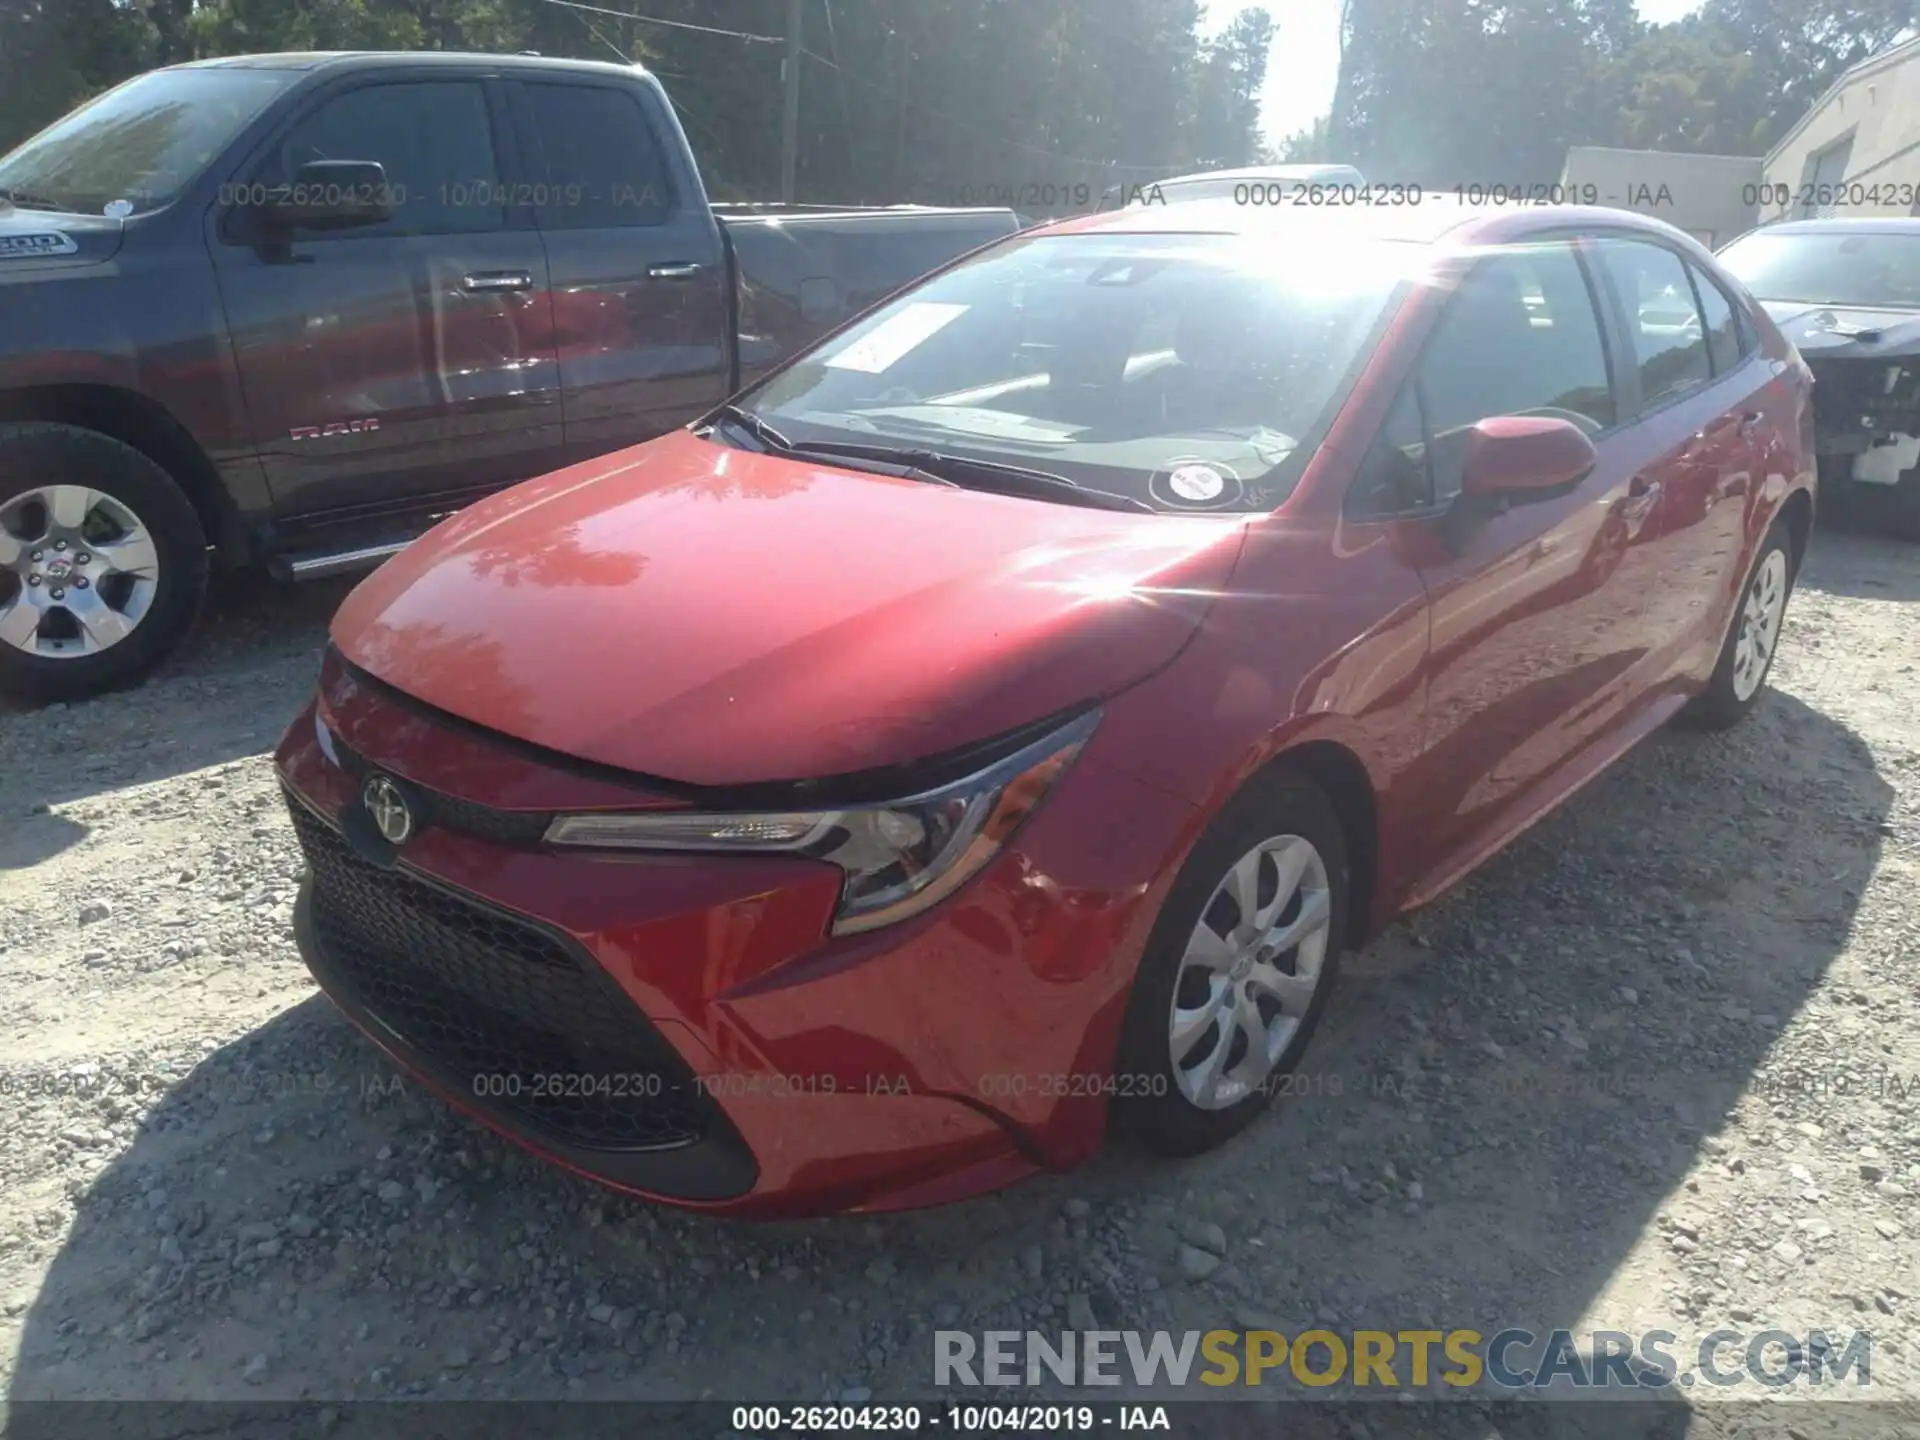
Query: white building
(1857,150)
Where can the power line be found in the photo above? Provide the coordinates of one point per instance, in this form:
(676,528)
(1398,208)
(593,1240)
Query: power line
(670,24)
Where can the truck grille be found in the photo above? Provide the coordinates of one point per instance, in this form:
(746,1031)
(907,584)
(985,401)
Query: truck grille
(501,1011)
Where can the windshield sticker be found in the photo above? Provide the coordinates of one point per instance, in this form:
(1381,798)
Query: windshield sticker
(1198,483)
(21,247)
(1187,480)
(880,347)
(118,209)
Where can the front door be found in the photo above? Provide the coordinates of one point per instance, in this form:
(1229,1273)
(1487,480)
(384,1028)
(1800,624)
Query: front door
(1534,634)
(406,363)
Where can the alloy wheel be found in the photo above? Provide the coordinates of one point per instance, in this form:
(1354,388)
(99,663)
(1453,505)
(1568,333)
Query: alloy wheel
(1250,972)
(78,571)
(1760,616)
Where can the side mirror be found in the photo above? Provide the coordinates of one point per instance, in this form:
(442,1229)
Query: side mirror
(1516,458)
(331,195)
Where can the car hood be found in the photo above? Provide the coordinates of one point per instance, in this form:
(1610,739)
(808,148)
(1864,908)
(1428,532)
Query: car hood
(720,617)
(45,239)
(1844,332)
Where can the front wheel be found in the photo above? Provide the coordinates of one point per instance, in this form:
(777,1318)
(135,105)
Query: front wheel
(1237,970)
(1747,655)
(103,562)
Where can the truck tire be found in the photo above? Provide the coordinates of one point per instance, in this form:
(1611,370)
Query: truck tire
(103,563)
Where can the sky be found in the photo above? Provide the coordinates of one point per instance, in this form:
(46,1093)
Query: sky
(1306,55)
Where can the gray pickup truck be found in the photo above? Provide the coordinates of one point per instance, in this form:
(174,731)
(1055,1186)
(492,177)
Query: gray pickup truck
(287,310)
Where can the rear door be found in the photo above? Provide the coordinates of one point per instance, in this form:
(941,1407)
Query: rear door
(640,284)
(393,365)
(1701,415)
(1534,630)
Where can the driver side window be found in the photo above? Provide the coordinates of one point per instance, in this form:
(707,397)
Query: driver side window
(1520,336)
(434,139)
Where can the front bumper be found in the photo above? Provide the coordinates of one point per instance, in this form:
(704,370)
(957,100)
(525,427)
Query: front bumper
(685,1028)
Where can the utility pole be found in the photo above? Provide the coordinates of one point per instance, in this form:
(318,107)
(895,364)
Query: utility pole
(790,123)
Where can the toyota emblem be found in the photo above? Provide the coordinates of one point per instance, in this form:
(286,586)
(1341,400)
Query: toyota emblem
(388,807)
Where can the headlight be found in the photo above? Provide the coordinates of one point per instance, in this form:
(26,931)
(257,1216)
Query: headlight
(898,858)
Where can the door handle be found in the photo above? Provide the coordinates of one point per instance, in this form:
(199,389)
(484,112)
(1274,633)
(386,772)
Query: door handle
(1750,420)
(490,280)
(673,270)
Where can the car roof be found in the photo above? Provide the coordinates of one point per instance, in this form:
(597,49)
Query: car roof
(1435,220)
(327,59)
(1836,225)
(1254,172)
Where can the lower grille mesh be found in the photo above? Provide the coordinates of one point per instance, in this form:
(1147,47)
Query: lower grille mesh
(505,1013)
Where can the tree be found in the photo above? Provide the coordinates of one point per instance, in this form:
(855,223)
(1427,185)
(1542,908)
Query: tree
(900,99)
(1227,103)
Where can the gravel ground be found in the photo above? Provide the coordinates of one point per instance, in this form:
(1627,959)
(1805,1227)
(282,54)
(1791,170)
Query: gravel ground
(1647,1070)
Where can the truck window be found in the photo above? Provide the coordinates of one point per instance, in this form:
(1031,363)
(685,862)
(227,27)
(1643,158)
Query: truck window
(141,143)
(604,166)
(435,140)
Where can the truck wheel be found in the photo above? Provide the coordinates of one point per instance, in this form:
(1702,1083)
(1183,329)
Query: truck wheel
(103,562)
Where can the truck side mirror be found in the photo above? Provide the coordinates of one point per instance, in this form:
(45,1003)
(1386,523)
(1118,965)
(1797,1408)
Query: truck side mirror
(331,195)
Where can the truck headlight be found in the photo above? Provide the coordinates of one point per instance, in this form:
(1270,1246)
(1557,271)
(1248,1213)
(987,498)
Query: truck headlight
(898,858)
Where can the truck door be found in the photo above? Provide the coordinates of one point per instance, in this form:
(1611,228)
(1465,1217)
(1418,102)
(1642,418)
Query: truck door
(638,271)
(393,364)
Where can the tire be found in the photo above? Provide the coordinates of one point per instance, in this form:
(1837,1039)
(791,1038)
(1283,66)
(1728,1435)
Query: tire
(1736,687)
(120,546)
(1154,1085)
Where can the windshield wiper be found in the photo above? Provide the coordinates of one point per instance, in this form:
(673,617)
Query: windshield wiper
(936,466)
(755,426)
(882,460)
(971,474)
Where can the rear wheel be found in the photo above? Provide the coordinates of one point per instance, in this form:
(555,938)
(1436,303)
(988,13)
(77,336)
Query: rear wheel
(103,562)
(1238,968)
(1747,656)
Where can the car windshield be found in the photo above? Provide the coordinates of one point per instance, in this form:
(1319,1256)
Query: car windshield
(1830,267)
(1189,372)
(139,145)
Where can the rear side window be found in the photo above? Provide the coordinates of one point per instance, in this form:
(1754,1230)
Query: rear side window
(433,137)
(604,166)
(1723,335)
(1663,322)
(1520,337)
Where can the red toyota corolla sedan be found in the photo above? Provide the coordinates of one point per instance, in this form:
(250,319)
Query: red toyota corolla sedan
(993,727)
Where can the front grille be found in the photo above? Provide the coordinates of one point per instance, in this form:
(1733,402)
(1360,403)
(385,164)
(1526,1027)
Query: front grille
(519,829)
(501,1010)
